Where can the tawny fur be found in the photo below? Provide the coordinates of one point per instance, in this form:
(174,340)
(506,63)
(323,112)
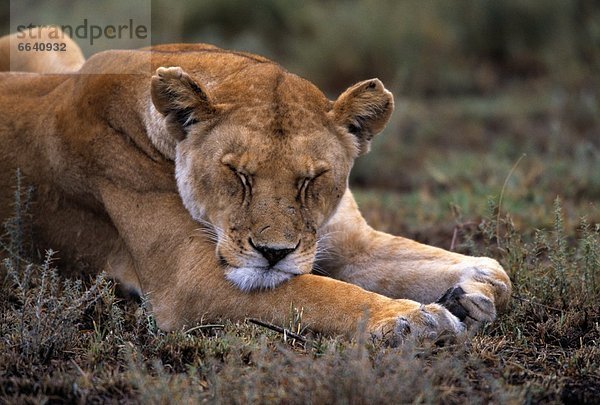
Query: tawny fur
(69,58)
(101,151)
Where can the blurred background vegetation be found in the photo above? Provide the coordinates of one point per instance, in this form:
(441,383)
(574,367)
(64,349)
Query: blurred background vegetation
(478,83)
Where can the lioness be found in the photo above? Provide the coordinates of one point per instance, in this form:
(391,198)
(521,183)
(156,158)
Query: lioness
(217,185)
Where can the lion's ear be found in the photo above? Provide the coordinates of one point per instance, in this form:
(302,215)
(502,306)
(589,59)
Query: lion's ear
(364,110)
(182,100)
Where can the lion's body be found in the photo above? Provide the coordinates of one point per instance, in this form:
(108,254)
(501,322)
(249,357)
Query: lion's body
(16,51)
(96,149)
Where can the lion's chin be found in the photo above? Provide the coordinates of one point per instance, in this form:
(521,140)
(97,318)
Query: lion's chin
(256,278)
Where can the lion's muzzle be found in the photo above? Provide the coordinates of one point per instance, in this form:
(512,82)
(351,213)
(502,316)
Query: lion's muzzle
(273,254)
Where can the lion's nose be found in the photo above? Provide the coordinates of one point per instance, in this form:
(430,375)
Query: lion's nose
(273,255)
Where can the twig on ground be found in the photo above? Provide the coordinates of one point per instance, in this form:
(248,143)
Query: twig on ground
(278,329)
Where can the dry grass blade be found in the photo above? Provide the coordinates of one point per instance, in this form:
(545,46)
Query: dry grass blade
(531,302)
(510,173)
(209,326)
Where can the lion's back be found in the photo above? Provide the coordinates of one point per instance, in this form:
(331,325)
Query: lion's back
(67,58)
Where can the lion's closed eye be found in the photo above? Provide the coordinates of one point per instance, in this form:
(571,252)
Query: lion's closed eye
(303,188)
(231,162)
(305,183)
(245,178)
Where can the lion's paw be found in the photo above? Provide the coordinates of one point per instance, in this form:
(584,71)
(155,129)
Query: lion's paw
(483,287)
(430,322)
(474,309)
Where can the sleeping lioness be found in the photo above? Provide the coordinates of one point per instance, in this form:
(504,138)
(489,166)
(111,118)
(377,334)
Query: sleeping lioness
(215,184)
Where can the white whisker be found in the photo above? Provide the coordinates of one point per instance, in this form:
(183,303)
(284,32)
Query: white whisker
(324,237)
(319,270)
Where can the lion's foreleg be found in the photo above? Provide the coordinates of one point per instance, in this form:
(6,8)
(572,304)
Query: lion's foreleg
(472,287)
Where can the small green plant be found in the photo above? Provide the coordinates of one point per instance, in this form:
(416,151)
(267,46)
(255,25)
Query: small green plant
(16,238)
(590,258)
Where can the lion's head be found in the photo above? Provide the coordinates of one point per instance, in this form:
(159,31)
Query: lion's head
(262,158)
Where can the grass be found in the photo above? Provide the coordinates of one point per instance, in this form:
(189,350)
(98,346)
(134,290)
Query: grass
(65,342)
(75,340)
